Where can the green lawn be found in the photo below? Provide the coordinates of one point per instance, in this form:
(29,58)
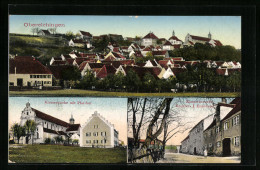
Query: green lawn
(77,92)
(66,154)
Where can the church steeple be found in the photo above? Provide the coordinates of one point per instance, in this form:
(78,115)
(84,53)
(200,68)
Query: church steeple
(173,33)
(72,120)
(209,35)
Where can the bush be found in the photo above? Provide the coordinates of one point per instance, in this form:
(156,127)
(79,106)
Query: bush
(11,142)
(47,141)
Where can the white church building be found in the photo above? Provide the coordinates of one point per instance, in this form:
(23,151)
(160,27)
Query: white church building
(47,126)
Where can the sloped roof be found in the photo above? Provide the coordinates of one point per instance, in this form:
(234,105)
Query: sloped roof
(58,62)
(86,33)
(141,71)
(174,38)
(79,41)
(177,46)
(45,32)
(236,109)
(159,52)
(118,55)
(150,35)
(27,65)
(57,70)
(73,127)
(199,38)
(49,118)
(168,43)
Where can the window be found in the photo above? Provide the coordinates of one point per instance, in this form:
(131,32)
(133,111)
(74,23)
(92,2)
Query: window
(218,144)
(11,83)
(210,145)
(88,134)
(49,76)
(226,125)
(217,129)
(95,141)
(95,133)
(95,126)
(235,120)
(103,133)
(30,76)
(236,141)
(88,141)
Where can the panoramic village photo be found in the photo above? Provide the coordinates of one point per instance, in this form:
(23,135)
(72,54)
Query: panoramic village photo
(125,55)
(67,130)
(184,130)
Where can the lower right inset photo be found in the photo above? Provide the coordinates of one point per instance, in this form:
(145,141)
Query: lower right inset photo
(184,130)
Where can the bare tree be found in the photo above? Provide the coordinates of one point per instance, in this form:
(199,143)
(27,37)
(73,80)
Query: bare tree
(35,30)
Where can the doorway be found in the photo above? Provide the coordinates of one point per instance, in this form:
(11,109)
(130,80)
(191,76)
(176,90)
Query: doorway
(195,152)
(226,147)
(20,82)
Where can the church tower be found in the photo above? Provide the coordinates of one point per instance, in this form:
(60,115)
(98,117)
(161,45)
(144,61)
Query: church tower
(173,33)
(209,35)
(72,120)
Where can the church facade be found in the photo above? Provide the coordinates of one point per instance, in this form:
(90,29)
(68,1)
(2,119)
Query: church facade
(47,126)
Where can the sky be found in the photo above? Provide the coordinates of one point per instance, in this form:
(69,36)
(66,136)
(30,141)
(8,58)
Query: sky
(112,109)
(227,29)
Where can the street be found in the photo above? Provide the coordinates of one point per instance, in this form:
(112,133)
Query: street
(186,158)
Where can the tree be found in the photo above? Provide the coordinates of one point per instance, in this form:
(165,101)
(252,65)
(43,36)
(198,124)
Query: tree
(133,81)
(35,30)
(30,128)
(88,80)
(149,81)
(234,81)
(119,80)
(69,35)
(18,131)
(53,30)
(70,73)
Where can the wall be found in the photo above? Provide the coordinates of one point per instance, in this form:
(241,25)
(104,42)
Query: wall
(26,78)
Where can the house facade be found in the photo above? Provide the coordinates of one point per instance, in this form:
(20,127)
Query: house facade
(27,71)
(149,39)
(222,137)
(98,132)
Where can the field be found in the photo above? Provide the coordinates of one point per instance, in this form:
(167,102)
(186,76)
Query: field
(65,154)
(83,93)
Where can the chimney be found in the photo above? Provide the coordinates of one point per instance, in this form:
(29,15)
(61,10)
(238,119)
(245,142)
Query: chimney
(224,100)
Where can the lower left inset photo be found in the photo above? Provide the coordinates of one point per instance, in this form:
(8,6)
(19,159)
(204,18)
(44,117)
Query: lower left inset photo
(67,130)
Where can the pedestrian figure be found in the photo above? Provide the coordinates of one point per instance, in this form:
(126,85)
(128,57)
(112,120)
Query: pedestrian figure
(205,153)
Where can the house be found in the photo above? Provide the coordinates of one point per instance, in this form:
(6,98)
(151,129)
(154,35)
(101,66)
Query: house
(114,56)
(168,46)
(185,145)
(149,39)
(80,43)
(151,63)
(196,138)
(27,71)
(98,132)
(44,33)
(175,40)
(171,72)
(115,37)
(163,54)
(190,40)
(105,71)
(222,137)
(87,66)
(47,126)
(86,36)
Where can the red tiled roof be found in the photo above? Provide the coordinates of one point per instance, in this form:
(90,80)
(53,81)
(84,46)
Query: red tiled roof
(45,31)
(218,43)
(220,71)
(147,49)
(150,35)
(177,58)
(27,65)
(57,58)
(85,33)
(105,71)
(168,43)
(73,127)
(177,46)
(110,58)
(95,65)
(57,70)
(49,118)
(159,53)
(116,49)
(191,43)
(70,61)
(141,71)
(174,38)
(58,62)
(177,71)
(118,55)
(199,38)
(80,60)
